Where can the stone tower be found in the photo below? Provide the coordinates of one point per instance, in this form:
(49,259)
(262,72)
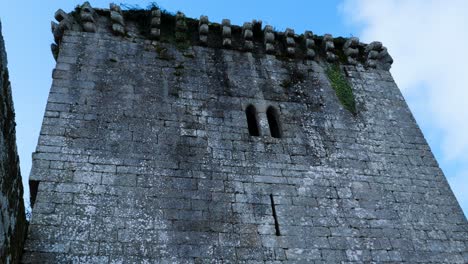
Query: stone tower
(173,140)
(12,215)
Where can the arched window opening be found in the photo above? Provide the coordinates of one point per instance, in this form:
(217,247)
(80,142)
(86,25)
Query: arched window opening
(273,122)
(252,122)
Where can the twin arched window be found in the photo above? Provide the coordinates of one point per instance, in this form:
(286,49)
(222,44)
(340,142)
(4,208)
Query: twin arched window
(273,121)
(251,113)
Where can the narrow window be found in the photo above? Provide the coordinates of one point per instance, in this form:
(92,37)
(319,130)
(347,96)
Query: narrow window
(275,217)
(251,114)
(33,188)
(273,122)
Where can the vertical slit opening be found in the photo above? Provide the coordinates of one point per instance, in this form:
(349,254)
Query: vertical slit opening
(252,122)
(273,122)
(33,188)
(275,217)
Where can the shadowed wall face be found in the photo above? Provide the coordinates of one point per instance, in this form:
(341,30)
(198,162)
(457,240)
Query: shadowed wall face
(12,214)
(145,155)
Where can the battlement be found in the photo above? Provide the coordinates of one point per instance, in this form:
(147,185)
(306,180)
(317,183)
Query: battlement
(160,26)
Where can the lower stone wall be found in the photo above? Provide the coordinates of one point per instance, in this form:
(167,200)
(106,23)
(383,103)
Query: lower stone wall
(12,215)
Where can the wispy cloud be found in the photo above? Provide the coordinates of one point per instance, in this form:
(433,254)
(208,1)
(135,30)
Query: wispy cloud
(427,39)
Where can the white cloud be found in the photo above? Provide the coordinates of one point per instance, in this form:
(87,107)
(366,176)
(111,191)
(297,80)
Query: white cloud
(427,39)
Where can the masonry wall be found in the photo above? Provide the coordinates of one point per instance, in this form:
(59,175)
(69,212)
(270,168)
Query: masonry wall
(145,155)
(12,214)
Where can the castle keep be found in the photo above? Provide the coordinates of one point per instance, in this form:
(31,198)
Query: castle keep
(173,140)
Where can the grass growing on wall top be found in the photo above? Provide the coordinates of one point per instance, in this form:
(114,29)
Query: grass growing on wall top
(342,88)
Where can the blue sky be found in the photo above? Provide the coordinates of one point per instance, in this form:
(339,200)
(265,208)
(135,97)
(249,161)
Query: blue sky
(412,30)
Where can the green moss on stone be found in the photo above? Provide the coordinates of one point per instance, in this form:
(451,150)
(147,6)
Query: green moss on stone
(163,53)
(295,77)
(342,88)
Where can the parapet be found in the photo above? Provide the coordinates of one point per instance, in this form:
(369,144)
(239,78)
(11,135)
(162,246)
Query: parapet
(158,25)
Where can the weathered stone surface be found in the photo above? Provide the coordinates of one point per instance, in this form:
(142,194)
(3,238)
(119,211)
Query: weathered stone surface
(309,44)
(118,23)
(145,157)
(269,39)
(351,50)
(203,29)
(12,214)
(290,43)
(377,56)
(87,15)
(247,35)
(227,33)
(328,47)
(155,31)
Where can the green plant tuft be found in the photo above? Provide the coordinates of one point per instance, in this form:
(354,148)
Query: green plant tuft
(342,88)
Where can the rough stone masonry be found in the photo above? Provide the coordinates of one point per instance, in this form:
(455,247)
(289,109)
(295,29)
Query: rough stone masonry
(12,214)
(173,140)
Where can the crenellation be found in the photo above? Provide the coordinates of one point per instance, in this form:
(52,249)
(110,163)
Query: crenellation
(247,36)
(58,34)
(57,37)
(258,38)
(269,39)
(290,42)
(118,23)
(227,33)
(351,50)
(87,15)
(377,56)
(155,31)
(181,27)
(385,59)
(66,22)
(60,15)
(309,44)
(203,29)
(252,36)
(328,47)
(372,53)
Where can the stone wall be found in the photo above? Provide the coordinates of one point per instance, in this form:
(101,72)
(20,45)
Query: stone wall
(145,156)
(12,214)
